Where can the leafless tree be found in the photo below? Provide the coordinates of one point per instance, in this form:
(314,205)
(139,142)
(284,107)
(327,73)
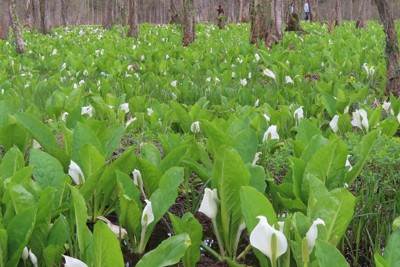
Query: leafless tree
(108,8)
(338,12)
(188,23)
(260,15)
(392,48)
(4,20)
(44,19)
(133,18)
(19,42)
(361,20)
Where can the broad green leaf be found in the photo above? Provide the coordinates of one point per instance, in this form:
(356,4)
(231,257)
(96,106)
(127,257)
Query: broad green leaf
(39,131)
(84,135)
(111,137)
(19,231)
(246,144)
(58,233)
(380,261)
(255,203)
(13,161)
(48,171)
(365,148)
(13,134)
(91,159)
(391,253)
(316,142)
(216,137)
(150,152)
(328,255)
(184,119)
(229,175)
(190,225)
(174,158)
(83,233)
(151,175)
(336,209)
(20,198)
(169,252)
(52,255)
(306,131)
(257,177)
(106,247)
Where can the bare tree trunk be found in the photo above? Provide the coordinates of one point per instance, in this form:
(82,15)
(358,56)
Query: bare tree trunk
(332,21)
(28,14)
(44,19)
(351,10)
(64,12)
(338,11)
(242,11)
(392,49)
(5,21)
(19,42)
(107,14)
(188,25)
(361,21)
(133,18)
(278,21)
(259,16)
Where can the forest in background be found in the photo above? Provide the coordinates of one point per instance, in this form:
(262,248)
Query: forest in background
(81,12)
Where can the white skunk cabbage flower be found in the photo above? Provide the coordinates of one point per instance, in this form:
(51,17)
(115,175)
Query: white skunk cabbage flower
(288,79)
(267,239)
(64,116)
(87,110)
(147,215)
(72,262)
(243,82)
(360,119)
(271,134)
(256,158)
(334,123)
(195,127)
(119,232)
(269,73)
(267,118)
(174,83)
(25,254)
(33,258)
(312,234)
(348,163)
(209,204)
(76,173)
(398,117)
(298,114)
(128,122)
(149,111)
(386,106)
(124,107)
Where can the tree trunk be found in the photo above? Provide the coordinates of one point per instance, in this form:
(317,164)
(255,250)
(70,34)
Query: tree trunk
(107,14)
(28,14)
(64,12)
(332,21)
(259,16)
(19,42)
(361,21)
(351,10)
(188,25)
(133,18)
(276,32)
(338,11)
(243,15)
(392,49)
(5,21)
(44,19)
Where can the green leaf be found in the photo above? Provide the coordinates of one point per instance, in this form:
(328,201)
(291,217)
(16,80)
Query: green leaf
(306,131)
(13,134)
(190,225)
(3,247)
(39,131)
(328,255)
(150,153)
(83,233)
(365,148)
(19,231)
(336,209)
(106,247)
(184,119)
(380,261)
(48,171)
(391,254)
(84,135)
(255,203)
(173,158)
(111,137)
(91,159)
(151,175)
(246,143)
(52,255)
(229,175)
(216,137)
(169,252)
(257,177)
(13,161)
(21,198)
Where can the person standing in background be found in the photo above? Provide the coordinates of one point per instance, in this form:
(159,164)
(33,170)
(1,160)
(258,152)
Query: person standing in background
(307,10)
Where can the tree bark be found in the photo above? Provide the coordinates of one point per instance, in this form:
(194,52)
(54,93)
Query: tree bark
(361,21)
(259,16)
(5,21)
(44,19)
(338,11)
(351,10)
(19,42)
(64,12)
(275,32)
(133,18)
(107,14)
(392,49)
(188,25)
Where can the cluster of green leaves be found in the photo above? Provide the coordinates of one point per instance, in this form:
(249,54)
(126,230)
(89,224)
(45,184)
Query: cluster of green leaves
(166,87)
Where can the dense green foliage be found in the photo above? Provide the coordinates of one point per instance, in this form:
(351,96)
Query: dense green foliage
(85,111)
